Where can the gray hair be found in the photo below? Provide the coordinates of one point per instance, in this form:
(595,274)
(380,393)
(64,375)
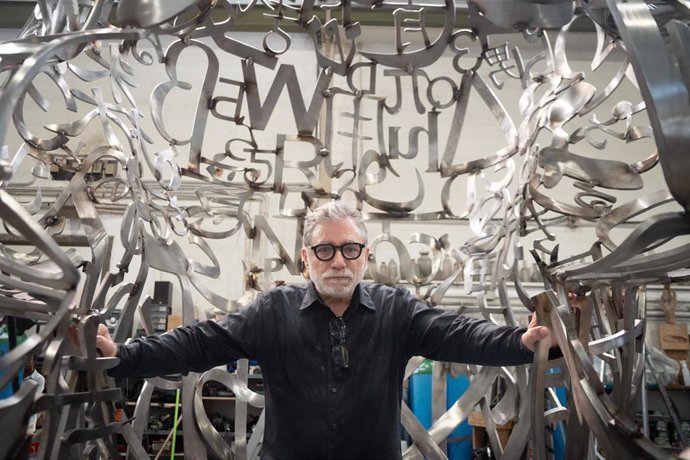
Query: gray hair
(332,211)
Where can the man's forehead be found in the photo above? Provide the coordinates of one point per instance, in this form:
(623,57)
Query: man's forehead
(337,231)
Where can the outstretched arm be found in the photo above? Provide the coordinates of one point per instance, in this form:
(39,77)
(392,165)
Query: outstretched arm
(190,348)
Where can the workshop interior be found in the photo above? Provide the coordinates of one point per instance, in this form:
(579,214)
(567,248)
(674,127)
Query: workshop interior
(158,159)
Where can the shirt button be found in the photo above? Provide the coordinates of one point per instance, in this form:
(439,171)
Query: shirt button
(334,426)
(334,389)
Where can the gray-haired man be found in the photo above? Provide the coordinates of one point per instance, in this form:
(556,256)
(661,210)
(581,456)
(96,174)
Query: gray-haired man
(333,351)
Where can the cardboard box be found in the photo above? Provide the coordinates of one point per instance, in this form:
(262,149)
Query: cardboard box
(674,336)
(673,339)
(174,321)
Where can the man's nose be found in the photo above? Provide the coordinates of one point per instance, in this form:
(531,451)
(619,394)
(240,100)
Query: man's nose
(338,261)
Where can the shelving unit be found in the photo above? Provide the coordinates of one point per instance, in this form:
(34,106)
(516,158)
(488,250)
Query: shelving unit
(662,429)
(222,405)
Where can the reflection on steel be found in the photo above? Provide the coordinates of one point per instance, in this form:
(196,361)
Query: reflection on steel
(228,158)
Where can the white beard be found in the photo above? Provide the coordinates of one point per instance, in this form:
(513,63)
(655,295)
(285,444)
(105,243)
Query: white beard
(341,288)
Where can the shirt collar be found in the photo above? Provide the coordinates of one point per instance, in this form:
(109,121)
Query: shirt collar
(362,295)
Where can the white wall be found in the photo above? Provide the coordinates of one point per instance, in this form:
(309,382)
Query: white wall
(480,138)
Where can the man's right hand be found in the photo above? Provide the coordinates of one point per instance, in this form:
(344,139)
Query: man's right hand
(104,342)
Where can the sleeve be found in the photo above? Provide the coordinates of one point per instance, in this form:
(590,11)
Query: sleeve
(194,348)
(444,336)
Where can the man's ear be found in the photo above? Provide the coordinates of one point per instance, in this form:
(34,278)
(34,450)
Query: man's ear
(305,264)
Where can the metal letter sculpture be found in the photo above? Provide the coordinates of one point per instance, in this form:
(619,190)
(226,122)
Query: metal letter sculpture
(239,138)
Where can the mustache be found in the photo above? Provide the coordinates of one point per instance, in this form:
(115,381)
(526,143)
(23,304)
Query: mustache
(338,273)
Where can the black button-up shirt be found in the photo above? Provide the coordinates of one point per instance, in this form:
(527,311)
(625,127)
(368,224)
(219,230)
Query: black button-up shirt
(314,408)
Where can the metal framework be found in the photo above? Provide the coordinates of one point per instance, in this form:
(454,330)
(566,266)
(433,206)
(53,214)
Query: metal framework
(115,151)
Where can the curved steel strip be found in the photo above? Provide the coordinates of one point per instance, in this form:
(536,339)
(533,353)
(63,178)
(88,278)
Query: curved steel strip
(14,213)
(497,110)
(423,57)
(614,434)
(123,330)
(657,267)
(193,443)
(491,430)
(229,204)
(243,394)
(556,414)
(256,439)
(526,14)
(141,409)
(19,306)
(188,25)
(663,89)
(543,306)
(412,365)
(440,291)
(505,409)
(15,89)
(145,14)
(49,298)
(574,352)
(315,29)
(558,162)
(213,440)
(114,300)
(616,340)
(482,219)
(202,111)
(654,229)
(626,212)
(87,75)
(558,206)
(133,443)
(392,207)
(439,393)
(595,406)
(680,36)
(55,142)
(263,227)
(667,402)
(54,387)
(141,413)
(423,443)
(519,435)
(110,110)
(77,183)
(627,354)
(58,79)
(240,49)
(242,375)
(442,427)
(616,80)
(100,243)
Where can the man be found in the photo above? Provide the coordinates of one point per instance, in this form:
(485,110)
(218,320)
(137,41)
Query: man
(332,352)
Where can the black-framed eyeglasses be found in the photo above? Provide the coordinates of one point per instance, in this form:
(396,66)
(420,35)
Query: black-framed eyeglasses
(326,251)
(341,355)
